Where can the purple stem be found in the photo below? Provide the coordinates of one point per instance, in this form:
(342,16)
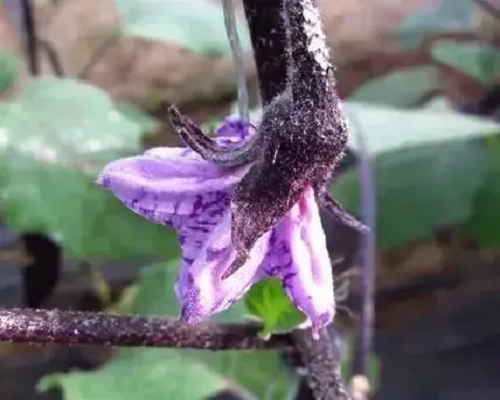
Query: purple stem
(68,327)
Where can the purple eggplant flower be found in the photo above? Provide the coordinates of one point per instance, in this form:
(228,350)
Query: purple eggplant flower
(177,187)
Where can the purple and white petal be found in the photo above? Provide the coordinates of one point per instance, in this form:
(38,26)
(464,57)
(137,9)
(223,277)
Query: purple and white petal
(167,180)
(200,287)
(195,228)
(308,279)
(159,187)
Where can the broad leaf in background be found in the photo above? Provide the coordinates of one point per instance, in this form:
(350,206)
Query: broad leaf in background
(402,89)
(53,142)
(443,16)
(140,375)
(175,374)
(197,25)
(9,66)
(484,223)
(429,166)
(479,60)
(268,301)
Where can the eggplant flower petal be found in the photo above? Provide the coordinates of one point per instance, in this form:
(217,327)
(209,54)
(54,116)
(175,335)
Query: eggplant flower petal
(307,276)
(201,288)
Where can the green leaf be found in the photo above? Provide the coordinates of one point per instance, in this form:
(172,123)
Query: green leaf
(140,374)
(197,25)
(484,223)
(399,89)
(440,17)
(9,67)
(268,301)
(54,141)
(130,111)
(479,60)
(428,167)
(260,373)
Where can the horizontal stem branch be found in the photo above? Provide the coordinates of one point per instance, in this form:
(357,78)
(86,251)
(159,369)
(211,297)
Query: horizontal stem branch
(68,327)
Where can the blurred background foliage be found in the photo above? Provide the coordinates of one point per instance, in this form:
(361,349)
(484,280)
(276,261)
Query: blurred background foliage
(421,84)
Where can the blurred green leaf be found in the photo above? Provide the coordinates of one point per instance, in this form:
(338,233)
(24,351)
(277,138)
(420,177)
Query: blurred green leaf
(268,301)
(258,372)
(197,25)
(54,141)
(9,66)
(479,60)
(428,165)
(130,111)
(484,223)
(140,374)
(440,17)
(399,89)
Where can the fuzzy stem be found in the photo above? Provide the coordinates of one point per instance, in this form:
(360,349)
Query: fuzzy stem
(311,72)
(68,327)
(269,40)
(322,365)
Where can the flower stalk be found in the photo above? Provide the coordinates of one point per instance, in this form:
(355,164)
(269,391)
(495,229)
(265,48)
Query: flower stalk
(267,27)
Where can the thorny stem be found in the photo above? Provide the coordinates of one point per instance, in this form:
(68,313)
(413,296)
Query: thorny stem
(239,63)
(322,365)
(311,71)
(30,36)
(68,327)
(269,40)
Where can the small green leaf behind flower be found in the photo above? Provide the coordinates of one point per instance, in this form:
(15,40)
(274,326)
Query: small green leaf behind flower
(268,301)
